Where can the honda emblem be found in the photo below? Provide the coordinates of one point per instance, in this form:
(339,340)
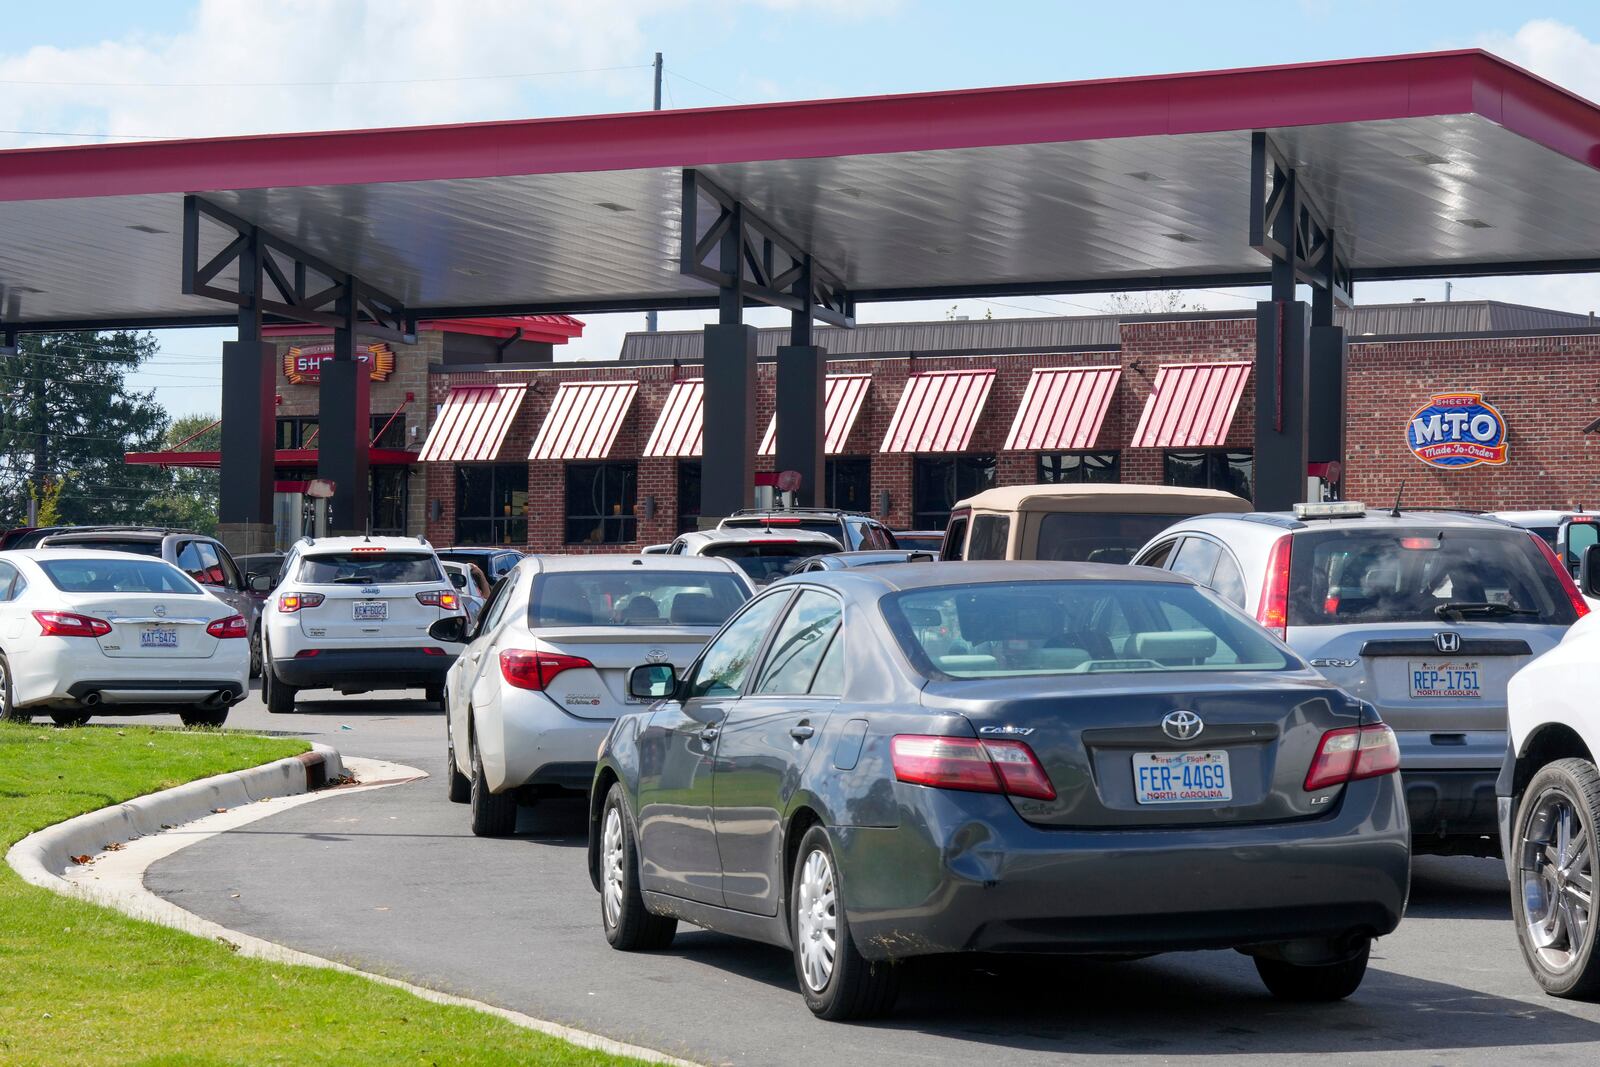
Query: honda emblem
(1447,641)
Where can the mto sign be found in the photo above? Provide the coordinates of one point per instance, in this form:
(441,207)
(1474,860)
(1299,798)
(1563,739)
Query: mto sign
(303,365)
(1456,430)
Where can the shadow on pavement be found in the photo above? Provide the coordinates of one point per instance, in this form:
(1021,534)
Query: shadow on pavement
(1458,887)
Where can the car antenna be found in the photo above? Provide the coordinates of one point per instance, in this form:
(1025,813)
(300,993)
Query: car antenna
(1394,512)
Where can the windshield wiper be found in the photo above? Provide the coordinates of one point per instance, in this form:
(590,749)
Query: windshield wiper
(354,579)
(1481,610)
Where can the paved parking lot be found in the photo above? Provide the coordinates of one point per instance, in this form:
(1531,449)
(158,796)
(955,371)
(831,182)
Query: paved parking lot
(393,881)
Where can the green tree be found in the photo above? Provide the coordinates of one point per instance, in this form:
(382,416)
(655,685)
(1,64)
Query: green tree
(190,500)
(67,415)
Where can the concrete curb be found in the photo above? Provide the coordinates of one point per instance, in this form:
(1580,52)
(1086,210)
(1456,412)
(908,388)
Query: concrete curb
(43,856)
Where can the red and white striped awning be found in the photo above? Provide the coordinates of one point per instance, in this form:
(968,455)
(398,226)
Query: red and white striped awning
(473,423)
(584,419)
(938,411)
(678,430)
(1064,407)
(841,403)
(1191,405)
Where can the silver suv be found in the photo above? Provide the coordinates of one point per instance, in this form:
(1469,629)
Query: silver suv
(1425,615)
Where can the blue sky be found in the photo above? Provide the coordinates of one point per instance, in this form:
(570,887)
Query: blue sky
(716,52)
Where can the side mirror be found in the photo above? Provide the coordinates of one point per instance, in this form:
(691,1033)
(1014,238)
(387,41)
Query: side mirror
(261,583)
(458,579)
(1589,571)
(452,629)
(652,681)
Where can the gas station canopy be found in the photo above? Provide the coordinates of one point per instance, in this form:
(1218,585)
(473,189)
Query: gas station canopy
(1433,165)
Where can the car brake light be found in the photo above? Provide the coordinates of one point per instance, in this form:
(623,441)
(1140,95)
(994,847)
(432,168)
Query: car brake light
(536,670)
(1420,544)
(781,522)
(292,602)
(969,764)
(1351,754)
(368,549)
(773,541)
(1273,612)
(232,626)
(1568,586)
(70,624)
(439,598)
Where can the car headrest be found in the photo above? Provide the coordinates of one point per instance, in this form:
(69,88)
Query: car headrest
(641,609)
(1175,646)
(695,609)
(988,617)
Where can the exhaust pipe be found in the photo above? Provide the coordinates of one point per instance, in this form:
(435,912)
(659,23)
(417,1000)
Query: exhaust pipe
(220,699)
(91,698)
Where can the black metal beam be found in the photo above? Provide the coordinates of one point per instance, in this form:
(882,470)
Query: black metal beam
(1289,226)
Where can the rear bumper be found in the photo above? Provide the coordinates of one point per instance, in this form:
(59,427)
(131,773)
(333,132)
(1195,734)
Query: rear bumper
(529,741)
(997,884)
(58,673)
(364,668)
(1447,806)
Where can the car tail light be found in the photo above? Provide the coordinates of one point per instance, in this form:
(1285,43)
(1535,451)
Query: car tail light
(536,670)
(969,764)
(1273,612)
(292,602)
(1564,576)
(232,626)
(368,549)
(308,653)
(439,598)
(70,624)
(429,650)
(1353,753)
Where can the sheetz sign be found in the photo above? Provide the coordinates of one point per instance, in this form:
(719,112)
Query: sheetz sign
(303,365)
(1456,430)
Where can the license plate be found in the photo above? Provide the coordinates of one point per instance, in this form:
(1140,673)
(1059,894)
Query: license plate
(372,610)
(1450,679)
(1181,777)
(159,637)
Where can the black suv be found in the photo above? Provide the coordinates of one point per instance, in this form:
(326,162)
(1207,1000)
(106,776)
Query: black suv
(852,530)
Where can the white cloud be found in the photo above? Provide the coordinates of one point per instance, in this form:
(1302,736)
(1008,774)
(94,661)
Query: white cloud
(1552,50)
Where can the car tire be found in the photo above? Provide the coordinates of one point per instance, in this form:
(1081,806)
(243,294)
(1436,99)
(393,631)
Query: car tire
(1566,791)
(458,786)
(846,985)
(278,697)
(69,718)
(493,814)
(208,717)
(255,653)
(1314,982)
(628,924)
(434,695)
(9,712)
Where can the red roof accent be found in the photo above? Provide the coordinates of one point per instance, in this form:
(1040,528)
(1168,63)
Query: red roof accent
(473,423)
(842,400)
(1191,405)
(283,457)
(678,431)
(1353,90)
(1064,407)
(549,329)
(584,419)
(938,411)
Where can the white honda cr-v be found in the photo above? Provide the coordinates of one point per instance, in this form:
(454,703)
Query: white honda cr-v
(352,614)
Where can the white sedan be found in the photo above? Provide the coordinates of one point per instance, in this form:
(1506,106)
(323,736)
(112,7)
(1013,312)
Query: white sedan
(544,673)
(85,631)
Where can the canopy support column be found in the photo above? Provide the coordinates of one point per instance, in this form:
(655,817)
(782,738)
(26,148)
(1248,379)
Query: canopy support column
(1329,356)
(249,394)
(345,425)
(801,405)
(728,452)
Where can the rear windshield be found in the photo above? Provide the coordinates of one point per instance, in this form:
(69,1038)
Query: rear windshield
(1008,629)
(117,576)
(623,598)
(108,544)
(766,561)
(1418,574)
(832,527)
(370,568)
(1097,537)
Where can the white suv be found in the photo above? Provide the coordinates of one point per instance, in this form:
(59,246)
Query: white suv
(352,614)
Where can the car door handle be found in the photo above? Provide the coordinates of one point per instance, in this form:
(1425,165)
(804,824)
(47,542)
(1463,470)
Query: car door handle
(803,732)
(710,734)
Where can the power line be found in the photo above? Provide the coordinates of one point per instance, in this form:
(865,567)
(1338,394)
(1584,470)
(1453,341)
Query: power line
(335,84)
(703,85)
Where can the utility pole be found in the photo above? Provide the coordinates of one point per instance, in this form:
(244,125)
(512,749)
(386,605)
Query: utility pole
(650,316)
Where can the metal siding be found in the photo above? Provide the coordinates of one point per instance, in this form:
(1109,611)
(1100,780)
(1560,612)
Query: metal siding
(473,423)
(938,411)
(583,420)
(1063,407)
(678,431)
(1191,405)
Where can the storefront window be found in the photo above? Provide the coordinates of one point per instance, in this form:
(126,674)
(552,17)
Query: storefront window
(937,482)
(1073,468)
(600,499)
(294,431)
(389,496)
(1233,472)
(847,483)
(389,431)
(492,504)
(688,495)
(300,431)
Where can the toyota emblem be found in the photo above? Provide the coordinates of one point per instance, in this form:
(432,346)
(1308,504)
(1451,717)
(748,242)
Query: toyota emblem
(1182,725)
(1447,641)
(656,655)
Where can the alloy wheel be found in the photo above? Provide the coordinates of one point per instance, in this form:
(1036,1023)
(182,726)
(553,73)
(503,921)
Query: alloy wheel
(611,861)
(1556,870)
(817,920)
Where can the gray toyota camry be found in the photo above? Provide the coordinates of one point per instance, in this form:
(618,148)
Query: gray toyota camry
(873,764)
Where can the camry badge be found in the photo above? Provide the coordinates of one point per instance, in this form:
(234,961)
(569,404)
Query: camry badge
(1447,641)
(1182,725)
(1006,731)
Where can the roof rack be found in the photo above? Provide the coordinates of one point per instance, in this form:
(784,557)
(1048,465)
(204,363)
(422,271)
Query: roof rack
(795,511)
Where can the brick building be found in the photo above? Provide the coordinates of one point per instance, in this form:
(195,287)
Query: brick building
(605,456)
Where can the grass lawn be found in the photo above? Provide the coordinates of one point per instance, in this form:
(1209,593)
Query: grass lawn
(80,983)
